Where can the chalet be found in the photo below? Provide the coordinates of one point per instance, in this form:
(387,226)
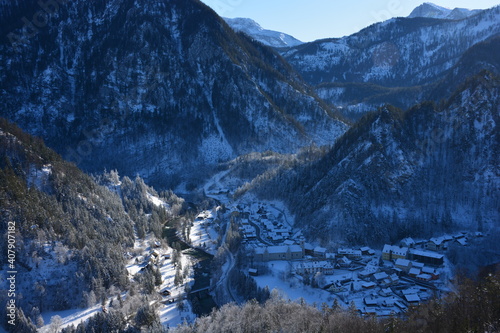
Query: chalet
(344,262)
(320,252)
(431,271)
(269,253)
(368,271)
(403,264)
(366,251)
(350,253)
(435,244)
(394,252)
(165,292)
(407,242)
(427,257)
(253,272)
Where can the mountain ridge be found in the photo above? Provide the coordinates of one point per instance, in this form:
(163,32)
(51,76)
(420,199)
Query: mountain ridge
(127,76)
(267,37)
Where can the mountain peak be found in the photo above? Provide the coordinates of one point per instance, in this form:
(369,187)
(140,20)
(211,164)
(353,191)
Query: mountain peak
(431,10)
(268,37)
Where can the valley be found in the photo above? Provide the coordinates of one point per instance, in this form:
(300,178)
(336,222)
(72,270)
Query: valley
(165,169)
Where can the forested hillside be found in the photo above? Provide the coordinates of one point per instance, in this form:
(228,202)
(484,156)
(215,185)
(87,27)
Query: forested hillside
(71,234)
(434,168)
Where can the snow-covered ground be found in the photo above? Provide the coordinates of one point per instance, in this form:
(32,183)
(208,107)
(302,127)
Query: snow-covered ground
(203,234)
(69,317)
(170,314)
(291,287)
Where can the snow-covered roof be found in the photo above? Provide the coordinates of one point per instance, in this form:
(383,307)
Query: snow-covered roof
(417,264)
(403,262)
(401,251)
(428,254)
(414,271)
(428,270)
(412,298)
(424,276)
(380,276)
(319,249)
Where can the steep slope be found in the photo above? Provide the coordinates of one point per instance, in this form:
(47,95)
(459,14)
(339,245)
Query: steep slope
(267,37)
(157,88)
(70,233)
(394,174)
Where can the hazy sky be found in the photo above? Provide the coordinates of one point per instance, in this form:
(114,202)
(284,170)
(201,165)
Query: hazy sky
(308,20)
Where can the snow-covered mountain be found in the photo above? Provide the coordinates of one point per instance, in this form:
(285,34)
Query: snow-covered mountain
(430,169)
(155,88)
(398,56)
(431,10)
(267,37)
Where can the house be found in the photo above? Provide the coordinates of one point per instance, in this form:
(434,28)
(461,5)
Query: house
(165,292)
(314,267)
(368,271)
(369,301)
(412,299)
(431,271)
(414,272)
(438,244)
(368,285)
(407,242)
(424,277)
(253,272)
(380,276)
(416,264)
(426,257)
(320,252)
(366,251)
(435,244)
(385,292)
(461,241)
(344,262)
(391,252)
(350,253)
(403,264)
(309,249)
(394,279)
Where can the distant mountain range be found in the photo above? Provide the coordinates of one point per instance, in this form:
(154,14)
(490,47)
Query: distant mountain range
(397,61)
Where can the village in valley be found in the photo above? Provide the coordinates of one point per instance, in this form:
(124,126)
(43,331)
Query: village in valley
(377,281)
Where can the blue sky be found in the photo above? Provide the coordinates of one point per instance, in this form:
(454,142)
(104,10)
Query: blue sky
(308,20)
